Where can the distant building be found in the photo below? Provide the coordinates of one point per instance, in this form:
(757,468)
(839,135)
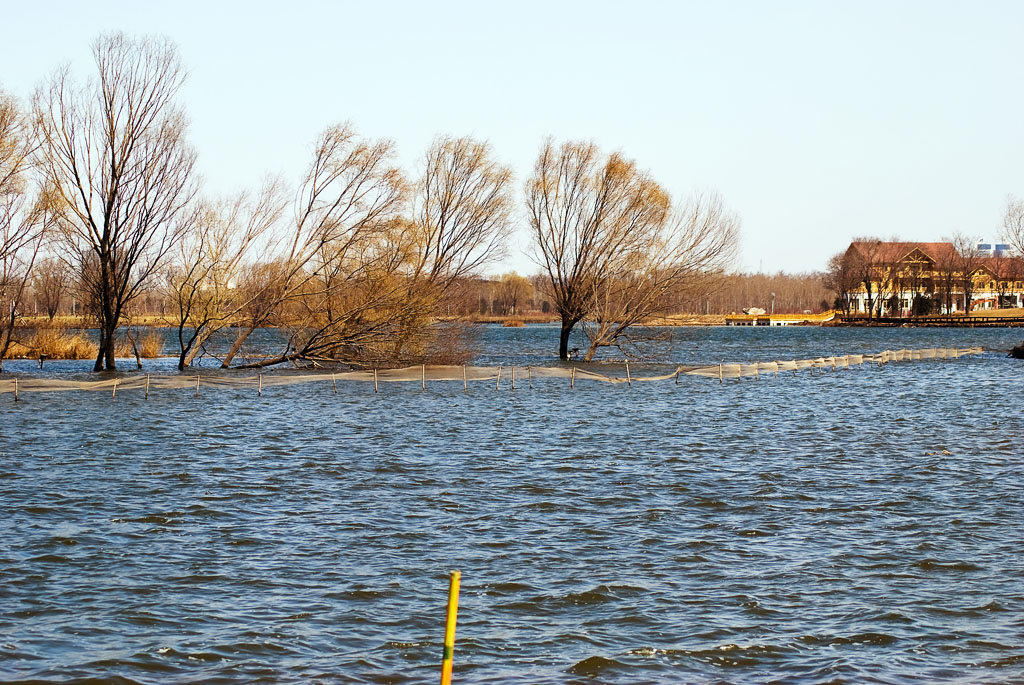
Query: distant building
(905,278)
(995,249)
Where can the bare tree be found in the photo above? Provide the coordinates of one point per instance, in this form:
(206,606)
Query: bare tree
(605,235)
(671,262)
(886,268)
(1006,273)
(346,207)
(51,281)
(208,263)
(15,151)
(23,219)
(115,153)
(584,210)
(865,255)
(360,282)
(968,260)
(462,209)
(21,241)
(1013,225)
(945,278)
(509,291)
(841,278)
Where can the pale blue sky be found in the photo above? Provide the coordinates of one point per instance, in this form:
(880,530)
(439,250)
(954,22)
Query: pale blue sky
(816,121)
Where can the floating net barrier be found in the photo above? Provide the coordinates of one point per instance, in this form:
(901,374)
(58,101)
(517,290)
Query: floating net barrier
(510,375)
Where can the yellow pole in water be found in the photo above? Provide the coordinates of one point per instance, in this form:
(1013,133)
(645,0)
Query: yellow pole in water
(572,378)
(335,381)
(498,379)
(375,379)
(629,381)
(513,376)
(15,388)
(259,387)
(465,383)
(449,629)
(147,386)
(197,385)
(113,393)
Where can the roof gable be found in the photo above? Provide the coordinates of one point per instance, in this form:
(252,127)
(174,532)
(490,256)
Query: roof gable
(891,252)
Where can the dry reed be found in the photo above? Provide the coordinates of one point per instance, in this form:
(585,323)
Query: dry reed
(54,343)
(150,344)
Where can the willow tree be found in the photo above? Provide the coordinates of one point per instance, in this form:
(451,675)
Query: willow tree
(674,256)
(208,262)
(347,202)
(461,210)
(372,258)
(114,151)
(613,249)
(509,291)
(23,218)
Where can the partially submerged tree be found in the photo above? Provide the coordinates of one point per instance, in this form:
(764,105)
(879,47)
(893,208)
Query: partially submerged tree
(346,207)
(579,209)
(371,287)
(115,153)
(208,263)
(462,211)
(679,254)
(612,248)
(15,150)
(23,219)
(20,243)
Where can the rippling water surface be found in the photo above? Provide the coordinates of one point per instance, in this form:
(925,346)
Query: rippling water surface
(852,526)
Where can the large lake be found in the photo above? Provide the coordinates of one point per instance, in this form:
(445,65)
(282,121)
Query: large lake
(847,526)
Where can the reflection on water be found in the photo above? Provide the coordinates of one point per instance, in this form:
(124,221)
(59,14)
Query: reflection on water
(851,525)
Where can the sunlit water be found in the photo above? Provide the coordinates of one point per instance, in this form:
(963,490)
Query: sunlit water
(860,525)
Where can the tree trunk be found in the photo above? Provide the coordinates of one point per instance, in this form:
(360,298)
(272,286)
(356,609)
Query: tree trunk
(98,366)
(563,338)
(189,349)
(111,363)
(105,357)
(280,359)
(235,347)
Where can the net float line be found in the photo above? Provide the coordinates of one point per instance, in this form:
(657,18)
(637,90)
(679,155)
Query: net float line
(465,374)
